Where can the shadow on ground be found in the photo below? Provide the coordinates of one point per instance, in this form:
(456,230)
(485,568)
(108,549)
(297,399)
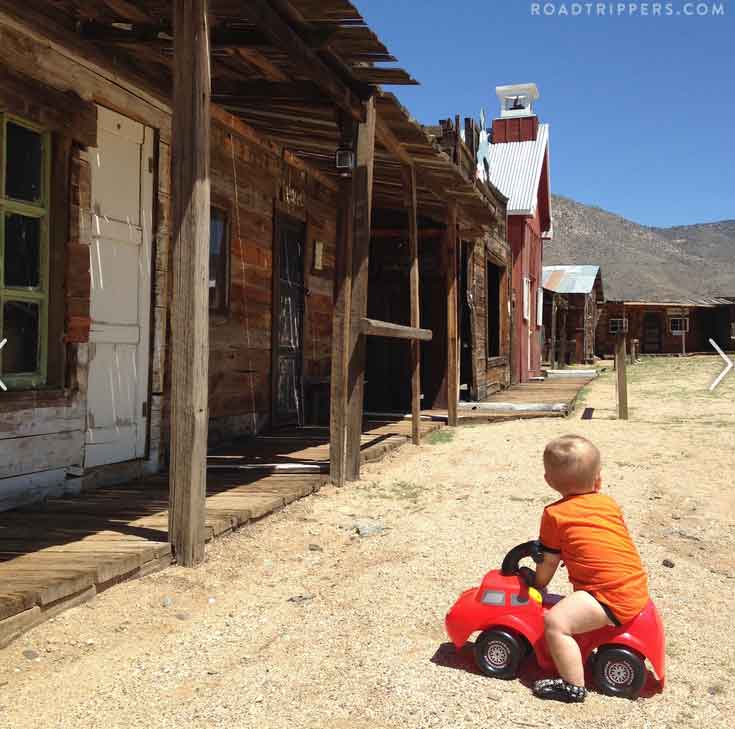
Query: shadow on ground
(463,659)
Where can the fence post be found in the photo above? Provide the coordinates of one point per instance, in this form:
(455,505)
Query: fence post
(622,379)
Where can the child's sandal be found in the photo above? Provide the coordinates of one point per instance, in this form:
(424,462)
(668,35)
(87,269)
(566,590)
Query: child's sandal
(559,690)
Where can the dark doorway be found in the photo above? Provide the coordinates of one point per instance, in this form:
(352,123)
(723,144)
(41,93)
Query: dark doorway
(466,377)
(651,333)
(493,315)
(388,363)
(721,329)
(288,321)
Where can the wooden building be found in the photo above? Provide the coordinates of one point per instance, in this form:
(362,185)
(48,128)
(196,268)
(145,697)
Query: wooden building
(516,160)
(195,196)
(572,297)
(483,290)
(668,327)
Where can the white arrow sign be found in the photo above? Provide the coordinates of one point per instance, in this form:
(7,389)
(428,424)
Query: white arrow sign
(729,364)
(2,384)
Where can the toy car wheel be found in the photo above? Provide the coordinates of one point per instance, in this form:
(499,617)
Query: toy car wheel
(619,672)
(498,653)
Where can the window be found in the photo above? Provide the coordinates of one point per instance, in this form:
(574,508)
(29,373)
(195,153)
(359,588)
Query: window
(679,324)
(527,299)
(219,259)
(540,306)
(494,278)
(24,236)
(517,102)
(618,326)
(493,597)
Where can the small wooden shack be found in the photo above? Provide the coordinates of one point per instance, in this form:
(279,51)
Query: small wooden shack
(572,297)
(196,194)
(669,327)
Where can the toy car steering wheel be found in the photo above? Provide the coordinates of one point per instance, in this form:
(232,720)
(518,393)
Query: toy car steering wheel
(530,549)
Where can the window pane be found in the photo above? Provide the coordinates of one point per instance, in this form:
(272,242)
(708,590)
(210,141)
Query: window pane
(217,260)
(20,328)
(24,165)
(22,251)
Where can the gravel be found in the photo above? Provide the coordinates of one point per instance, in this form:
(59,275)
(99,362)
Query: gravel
(369,650)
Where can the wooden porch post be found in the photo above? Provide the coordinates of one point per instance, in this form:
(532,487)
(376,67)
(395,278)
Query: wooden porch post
(563,340)
(452,323)
(190,302)
(338,409)
(552,353)
(413,244)
(622,378)
(360,273)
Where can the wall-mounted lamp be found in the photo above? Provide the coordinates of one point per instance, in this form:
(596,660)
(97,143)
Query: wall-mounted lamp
(345,160)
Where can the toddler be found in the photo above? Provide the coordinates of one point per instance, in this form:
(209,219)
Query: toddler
(586,530)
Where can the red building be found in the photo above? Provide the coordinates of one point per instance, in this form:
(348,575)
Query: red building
(516,161)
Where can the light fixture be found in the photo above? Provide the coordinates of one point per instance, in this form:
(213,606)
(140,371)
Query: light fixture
(345,159)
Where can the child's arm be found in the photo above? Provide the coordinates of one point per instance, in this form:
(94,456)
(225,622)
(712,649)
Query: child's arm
(550,549)
(545,570)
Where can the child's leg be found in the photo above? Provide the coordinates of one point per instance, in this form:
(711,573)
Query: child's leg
(576,613)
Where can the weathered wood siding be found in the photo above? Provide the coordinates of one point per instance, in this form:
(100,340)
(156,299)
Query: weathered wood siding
(50,78)
(253,182)
(491,373)
(55,86)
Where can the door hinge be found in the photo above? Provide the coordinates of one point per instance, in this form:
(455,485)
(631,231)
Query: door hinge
(145,409)
(150,165)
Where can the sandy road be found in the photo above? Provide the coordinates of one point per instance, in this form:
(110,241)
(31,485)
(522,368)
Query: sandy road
(299,622)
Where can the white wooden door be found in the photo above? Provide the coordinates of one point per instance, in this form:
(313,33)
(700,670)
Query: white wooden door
(120,262)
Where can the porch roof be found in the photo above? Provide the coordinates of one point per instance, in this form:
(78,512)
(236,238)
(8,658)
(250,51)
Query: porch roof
(286,68)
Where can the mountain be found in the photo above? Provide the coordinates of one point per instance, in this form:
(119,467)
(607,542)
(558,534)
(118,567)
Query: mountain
(640,262)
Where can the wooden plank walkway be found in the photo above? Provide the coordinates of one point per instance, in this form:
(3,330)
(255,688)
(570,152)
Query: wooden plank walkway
(64,552)
(526,401)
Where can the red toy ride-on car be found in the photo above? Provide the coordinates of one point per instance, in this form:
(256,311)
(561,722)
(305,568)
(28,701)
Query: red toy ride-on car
(510,616)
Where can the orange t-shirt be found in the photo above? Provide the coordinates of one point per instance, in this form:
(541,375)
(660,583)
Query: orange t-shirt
(590,533)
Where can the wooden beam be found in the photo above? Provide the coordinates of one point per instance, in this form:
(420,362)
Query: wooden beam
(425,178)
(409,174)
(137,33)
(360,273)
(377,328)
(262,14)
(159,34)
(452,318)
(391,143)
(234,93)
(341,316)
(621,377)
(190,302)
(258,61)
(128,11)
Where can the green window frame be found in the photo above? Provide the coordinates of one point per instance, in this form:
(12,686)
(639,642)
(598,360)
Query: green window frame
(37,209)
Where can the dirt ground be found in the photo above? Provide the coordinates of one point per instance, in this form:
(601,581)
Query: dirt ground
(298,621)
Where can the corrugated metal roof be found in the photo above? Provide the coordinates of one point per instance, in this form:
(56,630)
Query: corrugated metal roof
(570,279)
(515,169)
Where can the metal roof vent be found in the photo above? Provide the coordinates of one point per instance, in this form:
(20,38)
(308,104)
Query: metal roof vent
(516,99)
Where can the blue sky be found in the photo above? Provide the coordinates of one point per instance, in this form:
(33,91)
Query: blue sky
(641,108)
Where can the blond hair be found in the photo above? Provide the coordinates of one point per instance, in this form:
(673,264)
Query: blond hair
(572,463)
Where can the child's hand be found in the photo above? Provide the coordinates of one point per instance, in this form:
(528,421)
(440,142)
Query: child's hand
(528,576)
